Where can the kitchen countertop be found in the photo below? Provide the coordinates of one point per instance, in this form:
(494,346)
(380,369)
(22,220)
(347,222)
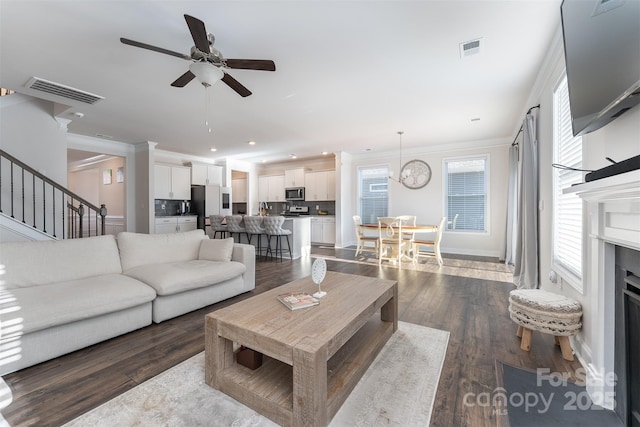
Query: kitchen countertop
(175,216)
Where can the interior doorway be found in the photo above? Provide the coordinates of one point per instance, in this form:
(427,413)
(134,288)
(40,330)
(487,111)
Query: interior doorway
(239,192)
(100,179)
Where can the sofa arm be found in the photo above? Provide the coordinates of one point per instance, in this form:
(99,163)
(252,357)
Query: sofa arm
(246,254)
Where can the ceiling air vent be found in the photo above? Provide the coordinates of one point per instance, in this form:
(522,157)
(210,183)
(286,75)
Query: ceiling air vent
(58,89)
(470,48)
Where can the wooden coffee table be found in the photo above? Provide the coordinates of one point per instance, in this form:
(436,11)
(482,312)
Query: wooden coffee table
(313,357)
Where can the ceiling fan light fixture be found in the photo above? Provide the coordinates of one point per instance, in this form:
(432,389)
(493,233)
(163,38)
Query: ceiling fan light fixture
(206,73)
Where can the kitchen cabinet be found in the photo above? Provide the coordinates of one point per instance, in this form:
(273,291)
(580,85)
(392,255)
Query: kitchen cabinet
(175,224)
(187,223)
(172,182)
(202,174)
(239,190)
(294,178)
(323,230)
(271,188)
(320,186)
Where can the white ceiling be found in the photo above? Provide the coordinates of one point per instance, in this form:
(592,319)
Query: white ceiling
(349,74)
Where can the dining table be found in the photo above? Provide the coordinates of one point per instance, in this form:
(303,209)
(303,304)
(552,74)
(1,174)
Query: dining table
(418,228)
(412,229)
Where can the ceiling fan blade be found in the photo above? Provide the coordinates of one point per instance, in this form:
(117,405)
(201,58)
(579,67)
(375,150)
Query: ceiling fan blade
(154,48)
(199,33)
(184,79)
(251,64)
(236,85)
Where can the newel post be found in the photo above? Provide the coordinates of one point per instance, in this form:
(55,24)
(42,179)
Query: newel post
(103,215)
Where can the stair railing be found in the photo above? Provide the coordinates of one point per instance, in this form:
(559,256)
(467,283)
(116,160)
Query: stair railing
(29,196)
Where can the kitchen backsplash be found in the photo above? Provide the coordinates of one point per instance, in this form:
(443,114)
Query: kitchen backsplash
(277,208)
(167,207)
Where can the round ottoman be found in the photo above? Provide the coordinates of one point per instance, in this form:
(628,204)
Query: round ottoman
(549,313)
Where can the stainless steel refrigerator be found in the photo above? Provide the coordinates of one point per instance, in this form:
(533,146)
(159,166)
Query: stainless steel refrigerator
(209,200)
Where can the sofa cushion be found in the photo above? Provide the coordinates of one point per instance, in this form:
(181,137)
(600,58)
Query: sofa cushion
(40,307)
(138,249)
(38,263)
(172,278)
(216,249)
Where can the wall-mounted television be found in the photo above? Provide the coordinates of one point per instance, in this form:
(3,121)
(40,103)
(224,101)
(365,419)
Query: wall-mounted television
(602,54)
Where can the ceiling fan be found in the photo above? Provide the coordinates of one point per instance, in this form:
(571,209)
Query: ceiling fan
(208,62)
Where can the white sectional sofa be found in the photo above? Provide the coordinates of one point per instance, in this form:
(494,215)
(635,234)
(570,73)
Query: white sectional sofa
(61,296)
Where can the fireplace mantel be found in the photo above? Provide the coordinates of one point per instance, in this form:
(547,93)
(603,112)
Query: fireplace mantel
(617,186)
(612,218)
(613,208)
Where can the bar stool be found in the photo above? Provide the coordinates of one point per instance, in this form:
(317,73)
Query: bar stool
(217,226)
(253,227)
(273,227)
(235,225)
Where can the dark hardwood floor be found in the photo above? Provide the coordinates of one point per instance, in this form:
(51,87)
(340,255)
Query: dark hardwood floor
(473,310)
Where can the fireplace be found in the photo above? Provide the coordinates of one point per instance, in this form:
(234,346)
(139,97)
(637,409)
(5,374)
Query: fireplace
(610,340)
(627,335)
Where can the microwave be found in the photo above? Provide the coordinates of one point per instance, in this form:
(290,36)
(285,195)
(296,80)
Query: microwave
(294,194)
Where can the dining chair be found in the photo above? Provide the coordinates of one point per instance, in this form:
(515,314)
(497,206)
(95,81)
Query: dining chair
(217,226)
(452,224)
(390,243)
(408,237)
(364,239)
(433,244)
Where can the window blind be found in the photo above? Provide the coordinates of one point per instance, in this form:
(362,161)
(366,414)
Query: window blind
(466,194)
(567,212)
(374,193)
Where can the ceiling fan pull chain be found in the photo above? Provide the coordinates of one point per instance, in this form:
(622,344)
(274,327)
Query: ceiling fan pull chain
(208,113)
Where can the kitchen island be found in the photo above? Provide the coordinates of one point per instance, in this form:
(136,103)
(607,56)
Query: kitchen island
(300,239)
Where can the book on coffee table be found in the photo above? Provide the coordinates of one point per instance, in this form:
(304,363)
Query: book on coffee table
(297,300)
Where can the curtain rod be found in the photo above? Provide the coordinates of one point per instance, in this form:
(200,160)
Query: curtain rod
(520,131)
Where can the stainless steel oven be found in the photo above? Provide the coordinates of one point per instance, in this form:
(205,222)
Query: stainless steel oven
(294,194)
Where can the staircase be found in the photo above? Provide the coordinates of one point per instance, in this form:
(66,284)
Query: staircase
(34,207)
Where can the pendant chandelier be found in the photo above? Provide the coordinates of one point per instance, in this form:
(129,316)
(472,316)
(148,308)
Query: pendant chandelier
(402,175)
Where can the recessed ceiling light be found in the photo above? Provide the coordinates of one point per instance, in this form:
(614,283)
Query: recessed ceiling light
(475,119)
(293,156)
(367,149)
(102,135)
(324,153)
(251,143)
(78,114)
(214,149)
(264,160)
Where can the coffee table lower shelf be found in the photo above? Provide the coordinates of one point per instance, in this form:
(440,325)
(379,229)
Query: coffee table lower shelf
(269,388)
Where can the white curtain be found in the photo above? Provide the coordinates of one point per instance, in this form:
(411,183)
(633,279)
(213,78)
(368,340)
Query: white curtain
(512,206)
(526,270)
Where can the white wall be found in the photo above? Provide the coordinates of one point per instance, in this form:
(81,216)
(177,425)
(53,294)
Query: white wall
(619,140)
(428,203)
(30,132)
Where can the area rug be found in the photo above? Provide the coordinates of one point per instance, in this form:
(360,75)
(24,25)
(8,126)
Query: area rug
(540,398)
(398,389)
(486,270)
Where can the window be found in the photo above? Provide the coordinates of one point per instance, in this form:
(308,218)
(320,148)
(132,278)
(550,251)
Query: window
(466,193)
(567,208)
(373,183)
